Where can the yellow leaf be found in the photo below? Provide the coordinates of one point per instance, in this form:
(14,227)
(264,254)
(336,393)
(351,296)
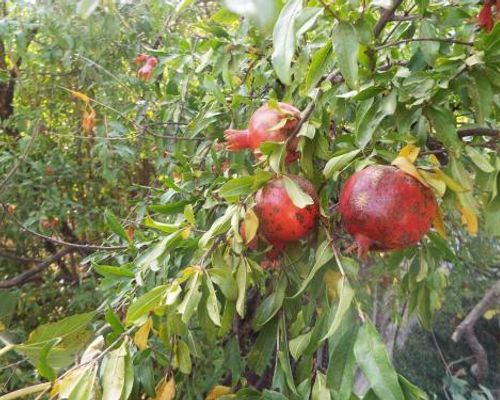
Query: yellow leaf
(251,225)
(489,314)
(450,182)
(2,326)
(405,165)
(410,151)
(166,390)
(434,181)
(331,278)
(218,391)
(185,233)
(81,96)
(141,336)
(434,160)
(438,224)
(469,217)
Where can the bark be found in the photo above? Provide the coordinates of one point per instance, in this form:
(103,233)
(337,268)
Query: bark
(466,330)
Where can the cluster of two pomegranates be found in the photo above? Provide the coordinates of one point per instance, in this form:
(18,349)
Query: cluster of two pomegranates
(382,207)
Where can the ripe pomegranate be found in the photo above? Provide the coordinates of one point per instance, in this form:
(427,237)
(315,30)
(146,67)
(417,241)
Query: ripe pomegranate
(386,209)
(266,125)
(280,221)
(146,71)
(141,59)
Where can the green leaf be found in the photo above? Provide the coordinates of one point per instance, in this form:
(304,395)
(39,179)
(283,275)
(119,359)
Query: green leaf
(368,118)
(7,307)
(184,357)
(482,96)
(140,308)
(430,50)
(341,367)
(241,280)
(84,384)
(191,299)
(271,305)
(299,198)
(85,8)
(212,302)
(237,187)
(189,214)
(477,158)
(161,226)
(43,365)
(262,350)
(320,391)
(170,208)
(72,332)
(285,40)
(337,163)
(223,278)
(443,123)
(321,62)
(324,253)
(114,321)
(299,344)
(109,271)
(411,391)
(346,294)
(221,225)
(113,373)
(372,358)
(115,225)
(346,45)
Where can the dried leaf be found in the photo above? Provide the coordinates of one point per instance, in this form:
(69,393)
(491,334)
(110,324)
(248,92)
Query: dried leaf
(251,224)
(438,224)
(81,96)
(407,166)
(142,334)
(410,151)
(166,390)
(469,217)
(218,391)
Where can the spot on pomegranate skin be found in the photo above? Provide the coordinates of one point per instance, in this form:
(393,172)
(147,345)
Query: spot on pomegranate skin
(280,221)
(385,209)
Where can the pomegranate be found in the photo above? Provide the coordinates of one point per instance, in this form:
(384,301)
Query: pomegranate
(141,59)
(280,221)
(146,71)
(266,125)
(386,209)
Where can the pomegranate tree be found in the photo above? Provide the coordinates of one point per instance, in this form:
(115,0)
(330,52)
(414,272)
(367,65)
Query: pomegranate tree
(384,209)
(280,220)
(267,124)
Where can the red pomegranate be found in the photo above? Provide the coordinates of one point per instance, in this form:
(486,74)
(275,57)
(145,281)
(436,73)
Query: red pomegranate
(146,71)
(386,209)
(266,125)
(280,221)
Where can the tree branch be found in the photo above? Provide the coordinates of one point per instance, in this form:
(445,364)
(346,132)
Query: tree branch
(479,132)
(15,257)
(20,279)
(466,329)
(385,17)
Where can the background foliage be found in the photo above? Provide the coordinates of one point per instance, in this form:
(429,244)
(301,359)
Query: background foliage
(119,241)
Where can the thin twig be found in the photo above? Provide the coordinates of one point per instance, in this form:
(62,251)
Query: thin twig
(442,40)
(58,241)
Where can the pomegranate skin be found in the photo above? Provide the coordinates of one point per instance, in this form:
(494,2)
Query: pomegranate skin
(280,221)
(262,128)
(386,209)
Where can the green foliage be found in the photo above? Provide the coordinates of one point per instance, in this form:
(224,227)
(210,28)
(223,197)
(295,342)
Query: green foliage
(100,156)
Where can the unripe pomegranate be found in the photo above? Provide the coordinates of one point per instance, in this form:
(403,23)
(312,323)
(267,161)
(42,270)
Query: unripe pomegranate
(266,125)
(384,209)
(281,221)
